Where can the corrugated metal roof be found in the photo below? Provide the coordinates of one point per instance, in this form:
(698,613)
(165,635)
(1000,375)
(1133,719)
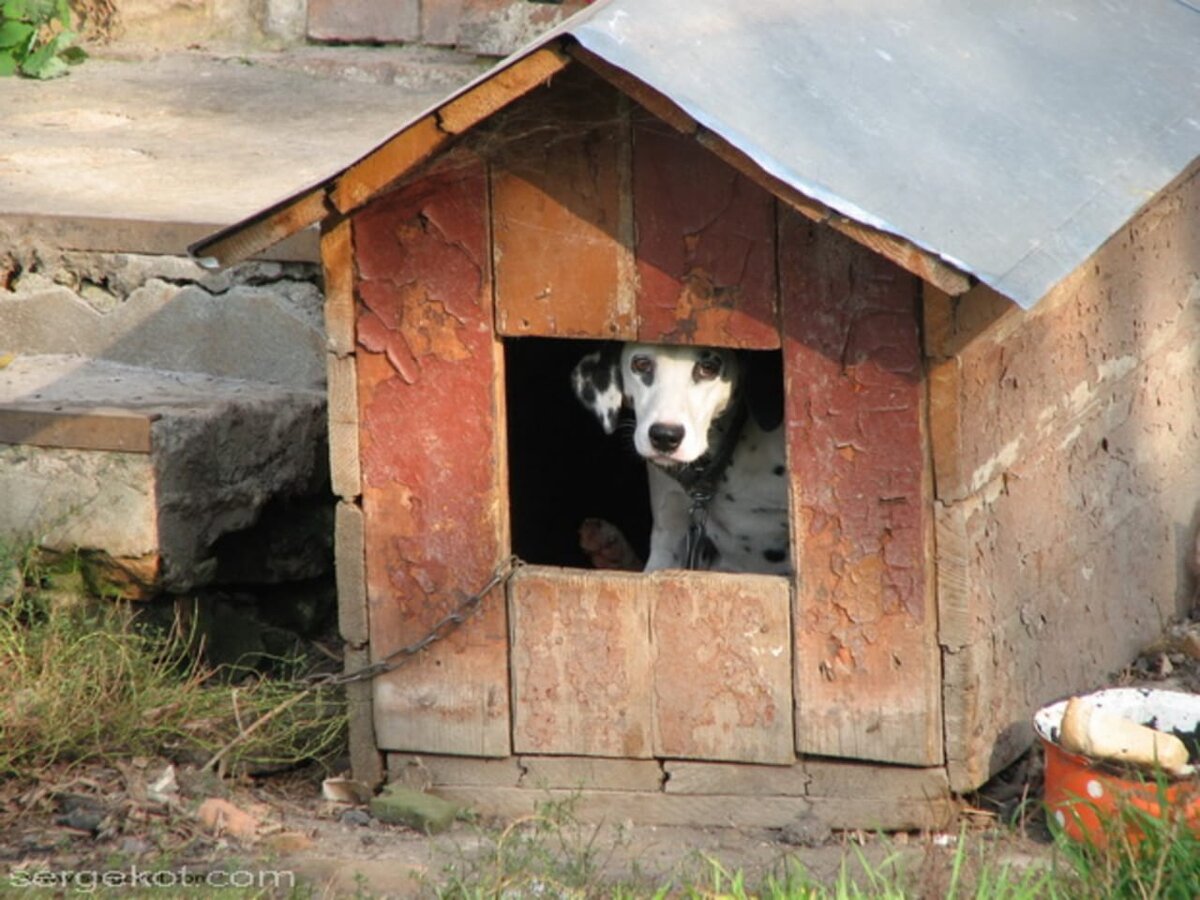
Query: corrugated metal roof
(1009,138)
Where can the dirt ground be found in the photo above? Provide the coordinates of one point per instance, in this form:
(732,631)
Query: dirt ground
(151,823)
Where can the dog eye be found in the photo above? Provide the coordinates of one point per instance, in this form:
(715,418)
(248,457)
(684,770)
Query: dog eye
(707,369)
(642,365)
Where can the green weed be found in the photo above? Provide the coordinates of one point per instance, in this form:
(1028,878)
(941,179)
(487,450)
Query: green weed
(85,681)
(36,38)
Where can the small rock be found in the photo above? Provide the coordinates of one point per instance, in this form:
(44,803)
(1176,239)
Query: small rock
(357,817)
(399,805)
(83,819)
(806,830)
(135,846)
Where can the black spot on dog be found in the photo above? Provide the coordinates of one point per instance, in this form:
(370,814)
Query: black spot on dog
(774,555)
(588,395)
(779,470)
(730,497)
(597,372)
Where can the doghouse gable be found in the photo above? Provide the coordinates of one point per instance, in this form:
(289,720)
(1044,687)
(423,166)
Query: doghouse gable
(733,190)
(576,214)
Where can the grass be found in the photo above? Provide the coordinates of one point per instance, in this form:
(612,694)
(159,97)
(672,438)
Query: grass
(1141,856)
(85,681)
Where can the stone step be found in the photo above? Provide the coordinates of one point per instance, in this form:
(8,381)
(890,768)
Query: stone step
(146,468)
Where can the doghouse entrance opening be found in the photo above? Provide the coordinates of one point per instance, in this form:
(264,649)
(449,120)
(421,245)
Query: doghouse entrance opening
(563,469)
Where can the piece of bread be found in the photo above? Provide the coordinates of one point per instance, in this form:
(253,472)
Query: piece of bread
(1101,735)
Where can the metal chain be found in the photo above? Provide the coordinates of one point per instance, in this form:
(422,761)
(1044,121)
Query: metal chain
(446,626)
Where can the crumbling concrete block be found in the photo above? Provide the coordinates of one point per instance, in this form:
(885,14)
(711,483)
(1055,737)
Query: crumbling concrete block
(192,459)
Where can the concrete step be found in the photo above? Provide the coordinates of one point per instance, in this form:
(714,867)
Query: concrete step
(149,470)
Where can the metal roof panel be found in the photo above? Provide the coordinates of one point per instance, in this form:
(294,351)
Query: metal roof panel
(1011,139)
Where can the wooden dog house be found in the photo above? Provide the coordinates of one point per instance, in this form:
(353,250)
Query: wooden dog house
(991,409)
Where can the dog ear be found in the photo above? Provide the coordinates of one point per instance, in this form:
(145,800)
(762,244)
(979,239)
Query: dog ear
(763,387)
(597,382)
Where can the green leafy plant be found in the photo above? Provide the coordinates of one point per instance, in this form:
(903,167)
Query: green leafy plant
(36,38)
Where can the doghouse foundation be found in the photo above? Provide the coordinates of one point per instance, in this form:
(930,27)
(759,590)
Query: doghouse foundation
(989,504)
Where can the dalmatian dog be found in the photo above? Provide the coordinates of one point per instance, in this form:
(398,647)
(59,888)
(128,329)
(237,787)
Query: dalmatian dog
(708,423)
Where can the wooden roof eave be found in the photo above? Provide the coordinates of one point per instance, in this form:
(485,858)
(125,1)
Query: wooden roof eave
(355,185)
(925,265)
(359,182)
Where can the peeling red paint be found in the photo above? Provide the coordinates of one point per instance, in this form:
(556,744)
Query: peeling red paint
(855,405)
(705,245)
(428,382)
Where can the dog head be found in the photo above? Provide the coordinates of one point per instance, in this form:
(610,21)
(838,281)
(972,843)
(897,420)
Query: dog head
(678,395)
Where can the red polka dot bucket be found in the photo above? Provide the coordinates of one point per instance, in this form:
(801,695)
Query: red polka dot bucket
(1085,796)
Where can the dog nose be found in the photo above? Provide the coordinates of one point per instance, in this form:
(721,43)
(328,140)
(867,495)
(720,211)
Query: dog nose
(665,438)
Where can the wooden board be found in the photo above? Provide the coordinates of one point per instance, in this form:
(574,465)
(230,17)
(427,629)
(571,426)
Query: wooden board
(832,779)
(582,663)
(723,666)
(562,220)
(433,474)
(82,427)
(867,662)
(868,812)
(705,245)
(674,664)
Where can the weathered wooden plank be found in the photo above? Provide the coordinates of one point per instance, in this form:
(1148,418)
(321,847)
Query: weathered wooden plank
(425,770)
(349,562)
(844,779)
(867,665)
(82,428)
(501,89)
(832,779)
(562,219)
(722,670)
(687,777)
(430,375)
(246,239)
(344,473)
(729,810)
(581,664)
(387,163)
(337,265)
(705,245)
(366,762)
(676,664)
(591,773)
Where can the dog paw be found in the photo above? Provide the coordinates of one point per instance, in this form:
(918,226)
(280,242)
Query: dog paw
(604,544)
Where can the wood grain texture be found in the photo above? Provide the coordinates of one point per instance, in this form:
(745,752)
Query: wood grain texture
(562,220)
(867,665)
(582,664)
(430,378)
(675,664)
(705,245)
